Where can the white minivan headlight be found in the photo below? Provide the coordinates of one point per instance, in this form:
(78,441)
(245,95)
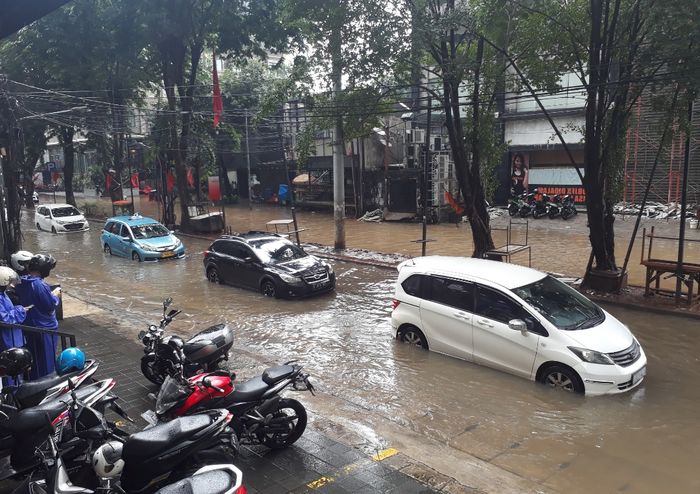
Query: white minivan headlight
(591,356)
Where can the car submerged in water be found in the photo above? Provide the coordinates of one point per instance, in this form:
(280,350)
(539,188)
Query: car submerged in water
(140,238)
(269,263)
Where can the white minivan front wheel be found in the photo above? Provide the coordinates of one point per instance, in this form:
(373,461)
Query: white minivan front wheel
(561,377)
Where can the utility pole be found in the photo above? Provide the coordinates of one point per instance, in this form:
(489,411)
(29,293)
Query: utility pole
(684,201)
(338,164)
(426,172)
(247,157)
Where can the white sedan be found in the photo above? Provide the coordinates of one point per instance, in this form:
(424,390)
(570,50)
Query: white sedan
(60,218)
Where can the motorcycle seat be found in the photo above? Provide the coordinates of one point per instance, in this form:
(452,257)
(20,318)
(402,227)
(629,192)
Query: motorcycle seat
(250,390)
(273,375)
(158,439)
(30,393)
(35,417)
(214,482)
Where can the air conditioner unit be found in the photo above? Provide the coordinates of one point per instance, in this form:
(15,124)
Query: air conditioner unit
(444,168)
(418,136)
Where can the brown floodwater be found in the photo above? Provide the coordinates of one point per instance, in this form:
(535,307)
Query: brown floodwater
(647,440)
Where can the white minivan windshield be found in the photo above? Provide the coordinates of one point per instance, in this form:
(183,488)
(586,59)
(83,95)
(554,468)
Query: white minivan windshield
(560,304)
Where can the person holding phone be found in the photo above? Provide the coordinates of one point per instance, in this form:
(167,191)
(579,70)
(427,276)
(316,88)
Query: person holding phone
(35,292)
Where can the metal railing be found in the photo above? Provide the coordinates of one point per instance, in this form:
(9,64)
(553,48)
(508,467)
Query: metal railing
(62,335)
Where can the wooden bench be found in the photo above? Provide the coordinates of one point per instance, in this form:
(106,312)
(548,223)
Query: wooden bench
(656,269)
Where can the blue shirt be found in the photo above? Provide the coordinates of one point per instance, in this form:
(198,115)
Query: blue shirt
(35,291)
(11,314)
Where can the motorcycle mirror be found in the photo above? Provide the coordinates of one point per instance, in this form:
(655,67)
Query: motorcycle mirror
(167,302)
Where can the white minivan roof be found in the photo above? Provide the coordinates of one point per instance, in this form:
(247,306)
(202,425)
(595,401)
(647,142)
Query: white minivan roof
(502,273)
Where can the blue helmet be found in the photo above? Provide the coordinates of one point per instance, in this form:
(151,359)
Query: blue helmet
(70,359)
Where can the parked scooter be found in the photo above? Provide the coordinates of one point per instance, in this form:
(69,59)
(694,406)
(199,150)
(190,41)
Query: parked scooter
(32,393)
(212,479)
(514,204)
(568,208)
(528,205)
(554,207)
(164,354)
(261,415)
(23,432)
(144,461)
(540,206)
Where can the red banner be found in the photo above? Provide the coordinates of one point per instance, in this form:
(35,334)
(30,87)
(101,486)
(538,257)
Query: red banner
(190,177)
(452,202)
(108,182)
(170,182)
(214,189)
(135,180)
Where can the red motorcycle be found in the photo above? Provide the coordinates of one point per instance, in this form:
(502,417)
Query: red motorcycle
(261,415)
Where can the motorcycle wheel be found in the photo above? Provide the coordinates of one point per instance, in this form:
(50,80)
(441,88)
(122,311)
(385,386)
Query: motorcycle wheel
(293,414)
(513,209)
(150,371)
(566,214)
(524,213)
(537,215)
(553,213)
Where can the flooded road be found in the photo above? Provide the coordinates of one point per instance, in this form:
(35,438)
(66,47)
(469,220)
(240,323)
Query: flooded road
(647,440)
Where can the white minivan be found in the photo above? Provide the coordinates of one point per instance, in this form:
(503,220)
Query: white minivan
(515,319)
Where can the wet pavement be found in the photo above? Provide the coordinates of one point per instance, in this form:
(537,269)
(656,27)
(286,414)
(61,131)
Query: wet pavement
(486,430)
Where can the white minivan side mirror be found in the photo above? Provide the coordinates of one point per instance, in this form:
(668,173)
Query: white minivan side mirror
(518,325)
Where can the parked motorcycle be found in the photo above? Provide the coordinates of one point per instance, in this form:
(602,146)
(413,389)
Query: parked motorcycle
(528,205)
(540,206)
(260,414)
(22,432)
(164,354)
(32,393)
(141,462)
(554,206)
(212,479)
(514,204)
(568,208)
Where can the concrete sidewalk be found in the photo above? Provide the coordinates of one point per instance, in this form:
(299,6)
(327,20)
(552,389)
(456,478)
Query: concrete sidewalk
(326,458)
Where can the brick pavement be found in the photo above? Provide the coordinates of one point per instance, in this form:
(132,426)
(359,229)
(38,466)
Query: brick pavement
(315,463)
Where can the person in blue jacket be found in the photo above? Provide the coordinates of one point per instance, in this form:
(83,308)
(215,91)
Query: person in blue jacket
(11,314)
(35,292)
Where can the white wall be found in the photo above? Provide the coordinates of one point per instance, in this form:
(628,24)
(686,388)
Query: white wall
(538,131)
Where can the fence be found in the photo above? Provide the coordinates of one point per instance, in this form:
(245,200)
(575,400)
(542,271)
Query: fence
(62,336)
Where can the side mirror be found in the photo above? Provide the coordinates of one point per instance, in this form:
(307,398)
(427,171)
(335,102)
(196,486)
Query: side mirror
(167,302)
(172,232)
(518,325)
(126,239)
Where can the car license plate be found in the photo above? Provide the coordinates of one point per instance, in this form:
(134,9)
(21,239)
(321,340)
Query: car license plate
(167,254)
(321,286)
(150,417)
(639,375)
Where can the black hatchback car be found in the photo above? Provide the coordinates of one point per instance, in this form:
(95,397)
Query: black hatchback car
(269,263)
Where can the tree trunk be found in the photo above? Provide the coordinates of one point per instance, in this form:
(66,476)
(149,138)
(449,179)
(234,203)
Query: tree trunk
(68,162)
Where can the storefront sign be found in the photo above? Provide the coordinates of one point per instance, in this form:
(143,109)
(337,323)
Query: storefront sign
(577,191)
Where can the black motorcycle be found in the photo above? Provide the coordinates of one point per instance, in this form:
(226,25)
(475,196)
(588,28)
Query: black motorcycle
(528,205)
(568,208)
(141,462)
(540,206)
(554,206)
(164,354)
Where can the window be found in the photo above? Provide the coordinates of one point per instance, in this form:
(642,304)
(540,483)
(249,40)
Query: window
(43,211)
(112,227)
(458,294)
(412,284)
(495,305)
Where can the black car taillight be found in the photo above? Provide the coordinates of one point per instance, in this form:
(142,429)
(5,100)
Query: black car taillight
(394,304)
(206,253)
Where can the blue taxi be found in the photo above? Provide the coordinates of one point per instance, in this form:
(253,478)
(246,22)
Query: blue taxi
(140,238)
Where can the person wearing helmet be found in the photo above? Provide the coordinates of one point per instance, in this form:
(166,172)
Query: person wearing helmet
(10,314)
(35,292)
(69,360)
(19,261)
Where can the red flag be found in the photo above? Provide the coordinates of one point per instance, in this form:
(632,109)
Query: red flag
(190,177)
(218,104)
(55,176)
(170,180)
(108,182)
(135,180)
(452,202)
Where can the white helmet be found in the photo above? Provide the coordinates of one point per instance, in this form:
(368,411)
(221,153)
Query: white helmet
(107,460)
(20,259)
(7,276)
